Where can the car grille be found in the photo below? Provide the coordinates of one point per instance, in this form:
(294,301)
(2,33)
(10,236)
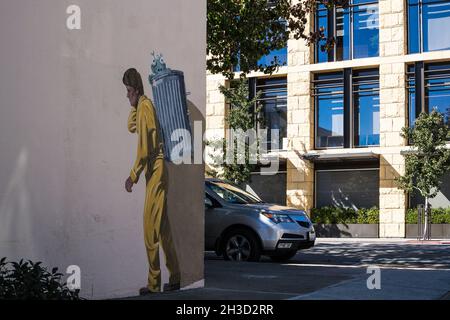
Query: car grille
(304,224)
(292,236)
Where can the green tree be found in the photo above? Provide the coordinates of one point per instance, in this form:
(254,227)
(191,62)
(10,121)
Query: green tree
(429,159)
(240,33)
(241,120)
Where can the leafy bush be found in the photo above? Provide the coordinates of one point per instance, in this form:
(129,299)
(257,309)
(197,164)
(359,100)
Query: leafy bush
(30,281)
(335,215)
(438,215)
(368,216)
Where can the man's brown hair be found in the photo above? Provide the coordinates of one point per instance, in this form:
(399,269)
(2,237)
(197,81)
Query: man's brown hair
(132,78)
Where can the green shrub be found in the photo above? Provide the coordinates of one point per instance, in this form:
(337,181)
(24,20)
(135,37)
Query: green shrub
(30,281)
(411,216)
(438,215)
(335,215)
(368,216)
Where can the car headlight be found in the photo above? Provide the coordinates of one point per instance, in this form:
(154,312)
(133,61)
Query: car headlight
(277,218)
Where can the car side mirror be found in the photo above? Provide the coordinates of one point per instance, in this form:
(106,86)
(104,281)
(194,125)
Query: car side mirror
(208,203)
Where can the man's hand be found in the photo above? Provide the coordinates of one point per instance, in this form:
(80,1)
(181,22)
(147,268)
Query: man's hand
(128,184)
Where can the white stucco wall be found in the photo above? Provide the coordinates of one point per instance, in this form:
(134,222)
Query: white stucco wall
(65,151)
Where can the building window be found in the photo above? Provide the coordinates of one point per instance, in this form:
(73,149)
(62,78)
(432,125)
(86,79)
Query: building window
(347,109)
(329,97)
(428,86)
(270,188)
(347,188)
(281,55)
(367,108)
(278,55)
(428,25)
(355,29)
(273,115)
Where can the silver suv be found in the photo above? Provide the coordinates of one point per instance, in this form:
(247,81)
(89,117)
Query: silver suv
(241,227)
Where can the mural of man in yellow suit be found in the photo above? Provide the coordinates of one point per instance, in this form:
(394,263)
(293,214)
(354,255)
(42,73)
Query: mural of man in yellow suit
(150,157)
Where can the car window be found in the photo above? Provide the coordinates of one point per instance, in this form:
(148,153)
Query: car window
(215,203)
(232,194)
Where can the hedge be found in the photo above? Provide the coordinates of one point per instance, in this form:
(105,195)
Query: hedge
(335,215)
(438,215)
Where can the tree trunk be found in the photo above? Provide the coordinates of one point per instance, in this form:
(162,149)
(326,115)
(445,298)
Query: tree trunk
(425,227)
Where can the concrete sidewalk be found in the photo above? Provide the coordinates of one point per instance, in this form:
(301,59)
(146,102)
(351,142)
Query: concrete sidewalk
(384,240)
(396,284)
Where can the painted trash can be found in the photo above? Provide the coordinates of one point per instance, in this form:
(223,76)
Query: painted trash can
(169,95)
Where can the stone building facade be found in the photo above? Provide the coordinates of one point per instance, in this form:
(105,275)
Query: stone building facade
(406,40)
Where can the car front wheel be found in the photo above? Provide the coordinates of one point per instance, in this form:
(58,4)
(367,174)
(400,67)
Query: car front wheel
(241,245)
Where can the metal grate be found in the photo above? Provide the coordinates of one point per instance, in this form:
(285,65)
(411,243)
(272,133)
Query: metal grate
(292,236)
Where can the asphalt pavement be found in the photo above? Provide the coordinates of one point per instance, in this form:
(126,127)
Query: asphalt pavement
(333,269)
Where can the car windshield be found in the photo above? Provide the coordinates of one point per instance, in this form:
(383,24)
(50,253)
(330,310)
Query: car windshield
(232,194)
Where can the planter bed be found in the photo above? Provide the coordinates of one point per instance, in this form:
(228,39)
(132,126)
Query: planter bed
(438,231)
(348,230)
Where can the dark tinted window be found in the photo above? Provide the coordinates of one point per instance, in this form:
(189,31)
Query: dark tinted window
(347,188)
(273,115)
